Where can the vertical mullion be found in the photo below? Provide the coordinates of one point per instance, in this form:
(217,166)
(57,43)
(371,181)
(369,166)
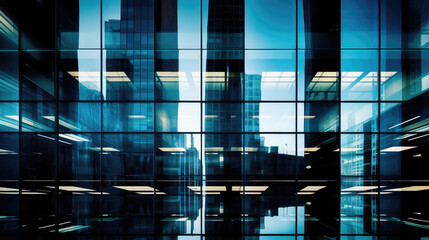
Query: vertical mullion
(202,157)
(296,116)
(378,119)
(57,115)
(101,116)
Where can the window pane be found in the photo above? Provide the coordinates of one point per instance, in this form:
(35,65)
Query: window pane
(223,117)
(80,117)
(79,75)
(9,79)
(178,155)
(359,71)
(128,24)
(223,24)
(270,75)
(318,72)
(222,156)
(404,74)
(178,117)
(79,23)
(37,159)
(79,156)
(127,156)
(38,25)
(9,117)
(318,117)
(265,24)
(223,75)
(38,75)
(178,75)
(359,24)
(9,36)
(178,25)
(319,24)
(270,117)
(359,117)
(404,117)
(9,150)
(270,156)
(128,75)
(359,155)
(38,117)
(128,117)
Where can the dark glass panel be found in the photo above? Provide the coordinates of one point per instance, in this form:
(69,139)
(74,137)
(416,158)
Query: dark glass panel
(265,24)
(223,75)
(269,117)
(270,156)
(178,24)
(9,151)
(79,23)
(359,24)
(38,75)
(127,156)
(38,117)
(318,117)
(270,75)
(411,116)
(178,75)
(128,75)
(79,75)
(38,26)
(222,156)
(223,117)
(9,208)
(318,75)
(223,24)
(318,157)
(128,117)
(79,156)
(9,35)
(9,78)
(319,24)
(178,155)
(37,156)
(79,117)
(178,117)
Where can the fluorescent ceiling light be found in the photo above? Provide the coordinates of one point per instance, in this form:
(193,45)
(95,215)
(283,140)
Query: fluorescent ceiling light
(72,188)
(251,193)
(213,149)
(409,120)
(5,189)
(347,149)
(99,193)
(172,149)
(136,188)
(208,188)
(409,189)
(211,116)
(73,137)
(312,188)
(374,193)
(359,188)
(136,116)
(311,149)
(305,193)
(105,149)
(209,193)
(250,188)
(62,123)
(411,139)
(398,148)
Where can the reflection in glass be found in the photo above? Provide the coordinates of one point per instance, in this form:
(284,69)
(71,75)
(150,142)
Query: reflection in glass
(270,75)
(38,75)
(318,75)
(9,79)
(359,117)
(222,156)
(359,24)
(128,75)
(38,117)
(223,117)
(128,24)
(411,116)
(265,24)
(37,156)
(9,36)
(37,28)
(79,76)
(358,155)
(79,117)
(359,71)
(178,75)
(178,117)
(178,25)
(79,23)
(178,155)
(79,156)
(270,117)
(9,151)
(318,117)
(270,155)
(127,156)
(318,156)
(223,75)
(128,117)
(9,117)
(404,74)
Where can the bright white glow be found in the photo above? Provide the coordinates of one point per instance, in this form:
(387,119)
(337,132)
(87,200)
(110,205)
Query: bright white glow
(347,149)
(251,193)
(213,149)
(409,120)
(208,188)
(417,155)
(181,219)
(409,189)
(250,188)
(136,188)
(374,193)
(311,149)
(62,123)
(136,116)
(359,188)
(5,189)
(43,136)
(411,139)
(305,193)
(99,193)
(208,193)
(172,149)
(398,148)
(211,116)
(72,188)
(105,149)
(312,188)
(73,137)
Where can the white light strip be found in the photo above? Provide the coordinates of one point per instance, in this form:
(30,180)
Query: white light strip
(409,189)
(409,120)
(398,148)
(360,188)
(411,139)
(136,188)
(73,137)
(312,188)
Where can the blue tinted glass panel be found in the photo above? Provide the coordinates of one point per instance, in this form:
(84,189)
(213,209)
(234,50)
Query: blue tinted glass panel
(359,117)
(128,117)
(178,117)
(223,117)
(269,117)
(359,155)
(9,79)
(9,36)
(9,117)
(404,117)
(318,117)
(79,117)
(38,117)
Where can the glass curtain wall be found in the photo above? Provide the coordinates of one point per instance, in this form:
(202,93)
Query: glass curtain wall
(214,119)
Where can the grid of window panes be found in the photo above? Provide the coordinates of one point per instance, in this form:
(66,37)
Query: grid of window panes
(214,119)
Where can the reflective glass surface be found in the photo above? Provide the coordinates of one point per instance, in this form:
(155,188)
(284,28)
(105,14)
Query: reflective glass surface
(9,78)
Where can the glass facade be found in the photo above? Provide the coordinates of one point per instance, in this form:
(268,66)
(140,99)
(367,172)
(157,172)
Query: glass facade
(214,119)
